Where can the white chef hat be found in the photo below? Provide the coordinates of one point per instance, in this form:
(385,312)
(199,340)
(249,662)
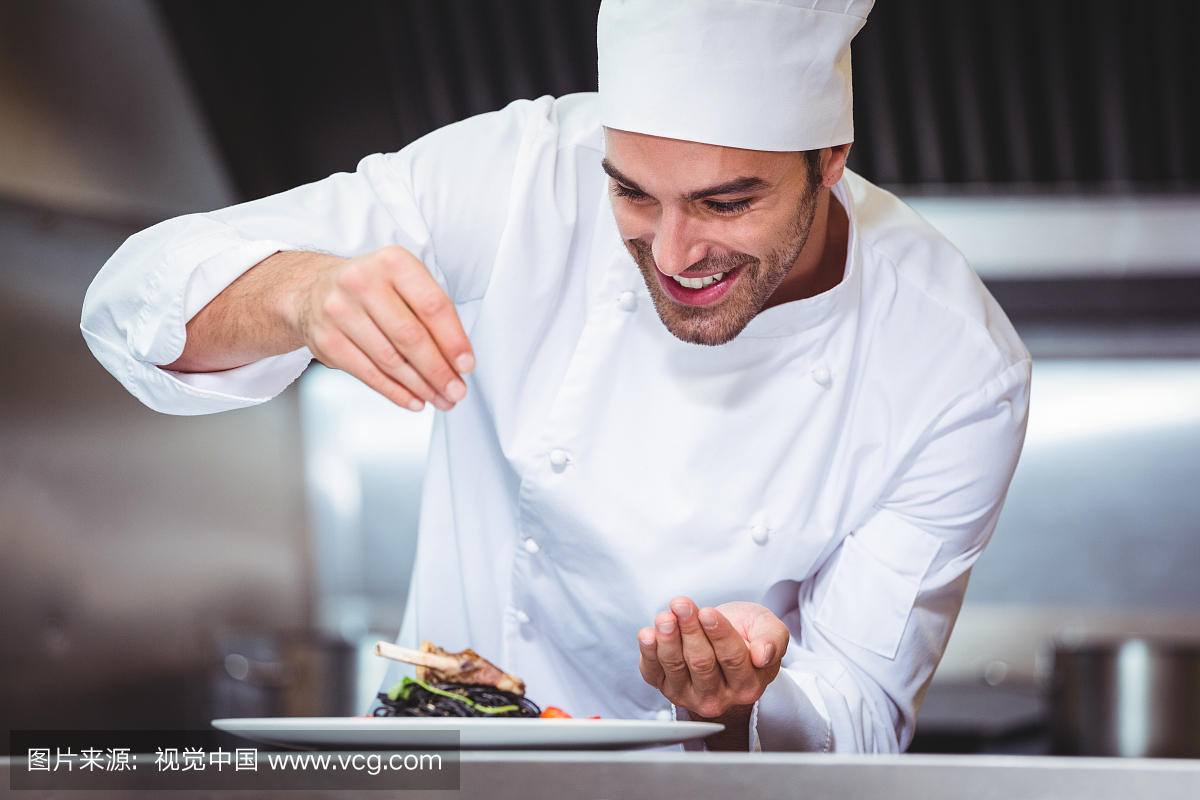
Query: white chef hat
(755,74)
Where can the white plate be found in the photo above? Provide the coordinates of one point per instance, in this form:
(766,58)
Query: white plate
(474,733)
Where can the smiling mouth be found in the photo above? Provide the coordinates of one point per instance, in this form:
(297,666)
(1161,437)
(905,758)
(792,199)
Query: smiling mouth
(699,283)
(703,290)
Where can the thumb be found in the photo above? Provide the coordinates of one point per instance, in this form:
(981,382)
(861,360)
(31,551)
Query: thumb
(769,643)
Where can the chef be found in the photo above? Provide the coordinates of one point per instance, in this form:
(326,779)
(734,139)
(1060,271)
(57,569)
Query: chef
(724,426)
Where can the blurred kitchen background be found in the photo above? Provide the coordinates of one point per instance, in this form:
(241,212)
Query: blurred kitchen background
(159,571)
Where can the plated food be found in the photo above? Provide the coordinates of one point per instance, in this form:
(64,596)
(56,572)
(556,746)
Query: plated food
(416,698)
(467,695)
(462,684)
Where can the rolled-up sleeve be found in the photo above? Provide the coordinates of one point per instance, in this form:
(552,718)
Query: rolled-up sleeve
(872,624)
(136,310)
(449,189)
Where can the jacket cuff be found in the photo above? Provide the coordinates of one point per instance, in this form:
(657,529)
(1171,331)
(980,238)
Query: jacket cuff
(205,393)
(791,716)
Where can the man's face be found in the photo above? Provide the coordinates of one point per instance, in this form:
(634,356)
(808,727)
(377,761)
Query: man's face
(714,230)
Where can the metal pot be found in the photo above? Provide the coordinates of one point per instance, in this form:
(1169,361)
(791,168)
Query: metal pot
(1130,697)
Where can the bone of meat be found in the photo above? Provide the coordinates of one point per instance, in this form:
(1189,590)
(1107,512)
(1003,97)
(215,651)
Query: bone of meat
(471,668)
(435,665)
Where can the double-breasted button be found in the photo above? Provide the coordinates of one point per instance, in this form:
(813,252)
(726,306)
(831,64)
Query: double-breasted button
(627,301)
(531,546)
(558,458)
(522,617)
(822,375)
(760,534)
(664,715)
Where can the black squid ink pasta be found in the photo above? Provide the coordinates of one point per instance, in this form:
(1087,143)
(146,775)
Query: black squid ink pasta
(413,698)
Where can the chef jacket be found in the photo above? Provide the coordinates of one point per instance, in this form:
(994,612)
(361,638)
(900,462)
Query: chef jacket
(843,461)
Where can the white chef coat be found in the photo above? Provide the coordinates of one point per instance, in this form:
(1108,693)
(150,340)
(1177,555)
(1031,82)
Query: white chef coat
(843,461)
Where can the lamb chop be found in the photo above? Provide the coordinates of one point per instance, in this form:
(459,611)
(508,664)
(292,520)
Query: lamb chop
(435,665)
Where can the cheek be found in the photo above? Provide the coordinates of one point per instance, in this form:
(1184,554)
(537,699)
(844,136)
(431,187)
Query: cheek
(746,237)
(763,236)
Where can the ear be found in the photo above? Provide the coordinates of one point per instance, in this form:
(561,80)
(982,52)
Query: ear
(833,163)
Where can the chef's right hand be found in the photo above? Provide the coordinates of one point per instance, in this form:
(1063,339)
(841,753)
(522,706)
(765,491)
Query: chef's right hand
(384,319)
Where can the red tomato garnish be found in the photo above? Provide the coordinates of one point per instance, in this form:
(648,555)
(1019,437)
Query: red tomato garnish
(554,713)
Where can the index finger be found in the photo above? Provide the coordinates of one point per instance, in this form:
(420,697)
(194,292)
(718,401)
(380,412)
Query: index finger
(698,651)
(434,309)
(733,654)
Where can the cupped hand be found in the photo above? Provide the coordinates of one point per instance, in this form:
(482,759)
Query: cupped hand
(714,662)
(384,319)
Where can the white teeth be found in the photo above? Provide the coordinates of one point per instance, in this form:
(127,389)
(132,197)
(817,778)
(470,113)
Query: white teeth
(698,283)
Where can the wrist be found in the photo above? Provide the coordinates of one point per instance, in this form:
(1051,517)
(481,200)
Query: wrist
(298,275)
(736,736)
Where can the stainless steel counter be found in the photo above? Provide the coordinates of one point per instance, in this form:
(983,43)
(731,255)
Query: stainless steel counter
(647,775)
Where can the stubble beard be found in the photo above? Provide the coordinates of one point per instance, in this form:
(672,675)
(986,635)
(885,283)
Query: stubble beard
(722,321)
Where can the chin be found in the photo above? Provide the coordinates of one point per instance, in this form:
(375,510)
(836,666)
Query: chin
(708,335)
(706,326)
(722,321)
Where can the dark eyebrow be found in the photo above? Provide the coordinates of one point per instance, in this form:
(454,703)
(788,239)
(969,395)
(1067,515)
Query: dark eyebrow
(617,175)
(735,186)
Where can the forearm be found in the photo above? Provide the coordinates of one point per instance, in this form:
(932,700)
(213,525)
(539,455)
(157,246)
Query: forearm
(255,317)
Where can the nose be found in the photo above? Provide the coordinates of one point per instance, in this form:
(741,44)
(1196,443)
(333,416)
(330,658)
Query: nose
(677,244)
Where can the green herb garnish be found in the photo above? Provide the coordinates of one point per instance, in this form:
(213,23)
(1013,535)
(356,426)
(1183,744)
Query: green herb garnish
(403,689)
